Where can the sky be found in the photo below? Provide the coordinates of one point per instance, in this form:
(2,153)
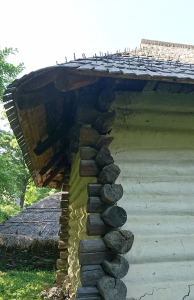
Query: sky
(47,31)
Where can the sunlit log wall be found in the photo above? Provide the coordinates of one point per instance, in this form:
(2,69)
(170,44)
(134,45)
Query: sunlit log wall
(95,242)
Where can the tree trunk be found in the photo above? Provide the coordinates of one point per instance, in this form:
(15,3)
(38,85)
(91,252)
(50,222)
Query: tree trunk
(22,197)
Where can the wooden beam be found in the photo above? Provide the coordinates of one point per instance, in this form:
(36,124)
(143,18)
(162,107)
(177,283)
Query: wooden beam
(106,98)
(90,274)
(53,138)
(104,123)
(54,160)
(104,157)
(87,292)
(114,216)
(117,268)
(109,174)
(111,288)
(94,189)
(54,173)
(96,226)
(96,205)
(89,168)
(103,141)
(88,153)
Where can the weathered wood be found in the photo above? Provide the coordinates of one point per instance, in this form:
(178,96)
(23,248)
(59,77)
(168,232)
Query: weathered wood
(87,115)
(88,137)
(92,245)
(54,173)
(89,298)
(90,274)
(117,268)
(94,189)
(114,216)
(104,157)
(65,228)
(95,258)
(106,98)
(53,162)
(111,193)
(87,292)
(72,82)
(64,254)
(63,235)
(89,168)
(57,135)
(119,241)
(96,205)
(88,153)
(64,204)
(65,188)
(109,174)
(104,123)
(62,263)
(96,226)
(112,288)
(65,196)
(63,220)
(103,141)
(63,244)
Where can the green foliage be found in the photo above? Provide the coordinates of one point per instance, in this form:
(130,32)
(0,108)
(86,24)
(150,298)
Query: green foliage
(8,211)
(8,72)
(34,194)
(24,285)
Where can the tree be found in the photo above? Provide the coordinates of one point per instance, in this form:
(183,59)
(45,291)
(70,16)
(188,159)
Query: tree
(8,72)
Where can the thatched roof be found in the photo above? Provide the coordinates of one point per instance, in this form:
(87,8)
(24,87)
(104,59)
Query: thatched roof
(41,105)
(36,226)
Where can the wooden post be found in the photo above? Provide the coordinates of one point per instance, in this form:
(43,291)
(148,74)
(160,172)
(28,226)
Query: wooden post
(104,157)
(95,226)
(111,193)
(104,123)
(90,274)
(89,168)
(96,205)
(117,268)
(109,174)
(94,189)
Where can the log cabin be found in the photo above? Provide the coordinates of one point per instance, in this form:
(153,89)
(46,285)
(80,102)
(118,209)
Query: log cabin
(115,133)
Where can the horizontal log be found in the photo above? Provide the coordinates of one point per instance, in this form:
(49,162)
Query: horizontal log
(96,226)
(62,263)
(64,254)
(104,123)
(103,141)
(109,174)
(89,168)
(104,157)
(88,137)
(112,288)
(94,189)
(88,153)
(105,100)
(65,196)
(63,220)
(86,114)
(119,241)
(95,258)
(111,193)
(96,205)
(90,274)
(92,245)
(114,216)
(64,228)
(87,292)
(64,235)
(63,244)
(117,268)
(64,203)
(65,188)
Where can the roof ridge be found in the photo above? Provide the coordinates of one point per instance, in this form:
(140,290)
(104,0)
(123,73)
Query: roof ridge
(160,43)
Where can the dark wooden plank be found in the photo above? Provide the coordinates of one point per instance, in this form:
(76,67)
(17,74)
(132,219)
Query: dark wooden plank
(112,288)
(94,189)
(104,157)
(88,292)
(117,268)
(119,241)
(109,174)
(114,216)
(88,153)
(111,193)
(64,204)
(96,226)
(90,274)
(55,159)
(96,205)
(89,168)
(65,196)
(54,173)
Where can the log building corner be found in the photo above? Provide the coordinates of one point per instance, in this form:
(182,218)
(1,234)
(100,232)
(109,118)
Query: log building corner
(115,133)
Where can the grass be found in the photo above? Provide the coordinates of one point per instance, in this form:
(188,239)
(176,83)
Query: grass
(24,284)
